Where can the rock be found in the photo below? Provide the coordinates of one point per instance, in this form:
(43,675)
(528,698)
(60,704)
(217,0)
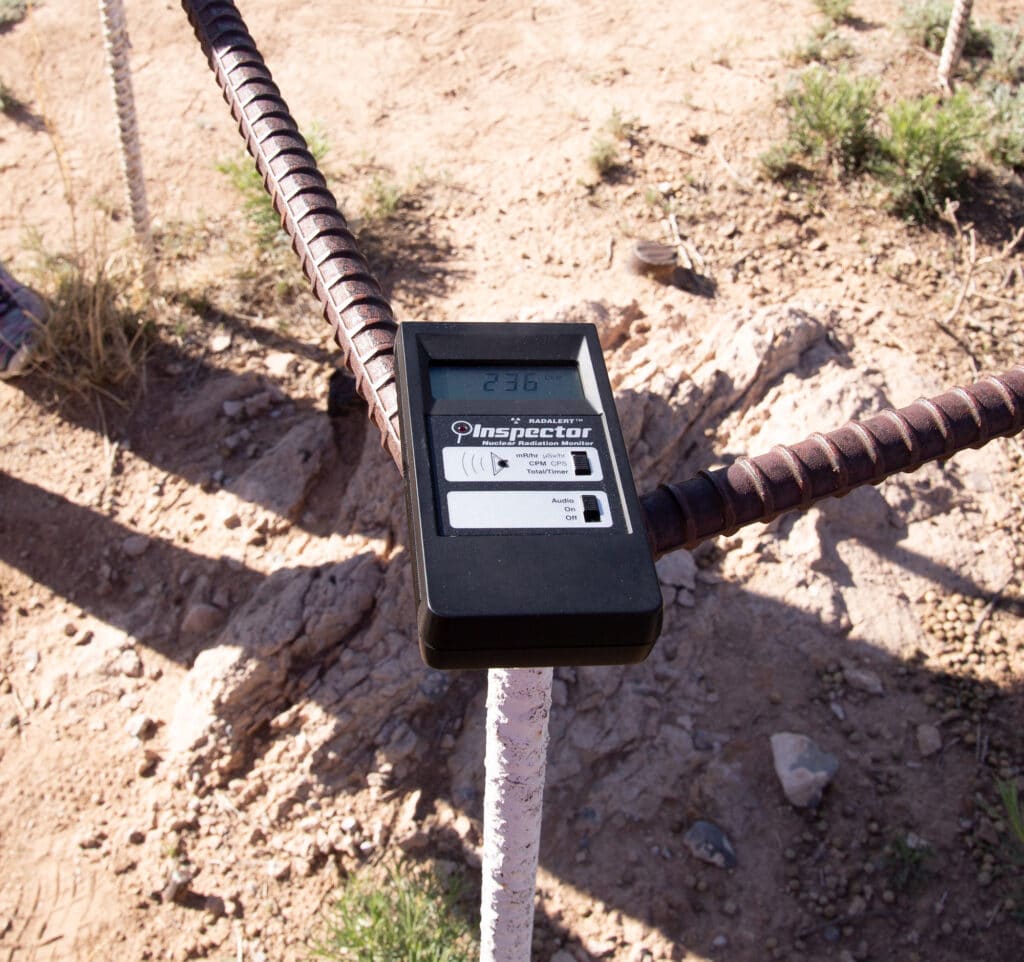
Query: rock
(135,546)
(710,844)
(178,882)
(219,343)
(233,409)
(678,569)
(862,679)
(202,618)
(140,726)
(214,906)
(282,478)
(278,363)
(929,740)
(129,663)
(278,869)
(32,661)
(804,770)
(91,838)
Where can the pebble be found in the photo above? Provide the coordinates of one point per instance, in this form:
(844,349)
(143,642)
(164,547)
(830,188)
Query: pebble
(135,546)
(710,844)
(804,769)
(862,679)
(219,343)
(202,618)
(929,740)
(32,661)
(279,869)
(129,663)
(278,363)
(678,569)
(140,726)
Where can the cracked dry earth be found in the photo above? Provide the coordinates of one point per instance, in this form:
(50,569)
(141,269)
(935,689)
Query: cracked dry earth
(212,705)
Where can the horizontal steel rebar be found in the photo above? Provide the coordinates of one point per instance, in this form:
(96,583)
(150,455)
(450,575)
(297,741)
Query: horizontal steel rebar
(717,502)
(352,300)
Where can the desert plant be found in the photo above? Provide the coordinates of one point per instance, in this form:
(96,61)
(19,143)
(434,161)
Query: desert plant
(409,914)
(264,221)
(925,22)
(1007,65)
(823,45)
(832,116)
(925,150)
(603,157)
(10,103)
(96,333)
(11,12)
(836,11)
(381,199)
(1009,794)
(1004,140)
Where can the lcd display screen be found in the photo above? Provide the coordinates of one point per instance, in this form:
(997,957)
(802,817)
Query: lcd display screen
(506,382)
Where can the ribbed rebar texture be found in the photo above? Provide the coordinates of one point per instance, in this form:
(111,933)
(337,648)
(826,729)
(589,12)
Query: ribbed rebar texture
(339,275)
(115,39)
(956,37)
(831,465)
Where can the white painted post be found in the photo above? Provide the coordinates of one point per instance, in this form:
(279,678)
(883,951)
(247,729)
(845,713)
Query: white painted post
(518,705)
(953,46)
(115,40)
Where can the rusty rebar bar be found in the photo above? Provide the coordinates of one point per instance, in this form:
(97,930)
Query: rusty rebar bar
(717,502)
(340,278)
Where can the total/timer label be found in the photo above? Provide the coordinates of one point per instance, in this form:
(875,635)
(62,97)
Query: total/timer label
(503,465)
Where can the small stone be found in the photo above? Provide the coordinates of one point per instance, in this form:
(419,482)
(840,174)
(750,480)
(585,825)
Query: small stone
(140,726)
(929,740)
(804,770)
(129,663)
(837,709)
(219,343)
(233,409)
(91,838)
(85,637)
(178,882)
(678,569)
(32,661)
(135,546)
(862,679)
(278,869)
(719,942)
(710,844)
(136,836)
(278,363)
(202,618)
(214,906)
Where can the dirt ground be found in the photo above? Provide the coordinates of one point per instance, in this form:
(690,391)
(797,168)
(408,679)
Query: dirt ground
(156,719)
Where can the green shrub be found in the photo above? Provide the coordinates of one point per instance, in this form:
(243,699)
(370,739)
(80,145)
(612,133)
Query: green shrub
(409,915)
(832,118)
(1007,55)
(264,221)
(925,150)
(1005,137)
(926,22)
(838,11)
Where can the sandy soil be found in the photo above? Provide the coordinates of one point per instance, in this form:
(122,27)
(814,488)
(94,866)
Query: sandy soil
(136,550)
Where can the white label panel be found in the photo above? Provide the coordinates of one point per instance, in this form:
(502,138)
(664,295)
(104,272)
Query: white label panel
(525,509)
(520,464)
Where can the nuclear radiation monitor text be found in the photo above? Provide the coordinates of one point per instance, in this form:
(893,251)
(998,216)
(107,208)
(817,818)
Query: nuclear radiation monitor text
(526,535)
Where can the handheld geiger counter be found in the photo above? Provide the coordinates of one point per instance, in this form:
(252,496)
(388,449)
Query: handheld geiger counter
(527,541)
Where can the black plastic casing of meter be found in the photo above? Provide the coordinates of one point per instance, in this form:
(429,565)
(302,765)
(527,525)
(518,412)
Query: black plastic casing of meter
(487,469)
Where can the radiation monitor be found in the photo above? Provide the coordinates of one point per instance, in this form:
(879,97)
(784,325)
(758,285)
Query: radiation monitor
(526,536)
